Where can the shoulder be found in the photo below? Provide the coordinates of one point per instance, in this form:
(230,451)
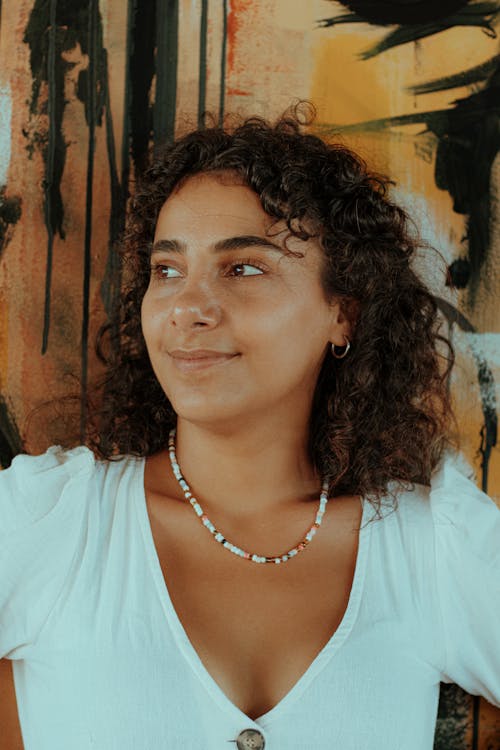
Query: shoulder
(456,500)
(448,517)
(34,486)
(55,512)
(451,499)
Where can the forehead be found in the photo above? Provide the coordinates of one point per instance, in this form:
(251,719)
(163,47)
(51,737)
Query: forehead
(217,199)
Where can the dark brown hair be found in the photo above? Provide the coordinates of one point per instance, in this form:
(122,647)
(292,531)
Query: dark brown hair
(381,414)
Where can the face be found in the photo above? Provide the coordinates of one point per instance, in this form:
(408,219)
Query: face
(234,327)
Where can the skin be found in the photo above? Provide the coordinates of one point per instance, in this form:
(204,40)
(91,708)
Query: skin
(242,425)
(242,436)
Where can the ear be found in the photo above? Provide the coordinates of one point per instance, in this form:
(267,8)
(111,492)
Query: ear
(345,313)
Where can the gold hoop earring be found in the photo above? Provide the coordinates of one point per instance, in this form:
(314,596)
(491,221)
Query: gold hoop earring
(344,351)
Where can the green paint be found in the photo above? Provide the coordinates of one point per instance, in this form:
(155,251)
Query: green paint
(477,74)
(202,69)
(222,86)
(93,108)
(167,20)
(407,34)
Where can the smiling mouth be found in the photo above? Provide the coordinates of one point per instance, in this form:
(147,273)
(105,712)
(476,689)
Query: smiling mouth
(193,364)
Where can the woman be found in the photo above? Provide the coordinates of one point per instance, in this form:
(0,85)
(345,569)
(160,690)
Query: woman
(268,544)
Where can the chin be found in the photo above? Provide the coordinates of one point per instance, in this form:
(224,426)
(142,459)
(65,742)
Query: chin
(204,410)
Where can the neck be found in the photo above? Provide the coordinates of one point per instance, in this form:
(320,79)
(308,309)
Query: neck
(247,472)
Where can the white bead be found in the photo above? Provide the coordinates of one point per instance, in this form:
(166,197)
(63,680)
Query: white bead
(218,536)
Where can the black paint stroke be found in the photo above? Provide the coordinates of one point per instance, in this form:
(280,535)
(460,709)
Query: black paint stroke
(202,67)
(477,74)
(167,33)
(10,213)
(478,15)
(127,100)
(51,223)
(452,719)
(487,390)
(468,137)
(142,35)
(384,12)
(110,284)
(54,27)
(452,716)
(10,438)
(119,184)
(93,110)
(223,63)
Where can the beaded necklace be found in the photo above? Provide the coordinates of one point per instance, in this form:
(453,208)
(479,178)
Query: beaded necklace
(220,537)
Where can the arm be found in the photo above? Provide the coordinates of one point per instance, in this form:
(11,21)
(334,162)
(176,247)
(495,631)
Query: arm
(10,736)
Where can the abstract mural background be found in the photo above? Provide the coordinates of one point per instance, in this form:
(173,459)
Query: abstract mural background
(88,86)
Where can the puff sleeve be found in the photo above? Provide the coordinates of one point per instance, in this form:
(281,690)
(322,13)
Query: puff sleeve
(39,506)
(467,549)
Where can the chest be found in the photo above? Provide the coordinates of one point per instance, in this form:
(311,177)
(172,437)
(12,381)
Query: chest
(256,628)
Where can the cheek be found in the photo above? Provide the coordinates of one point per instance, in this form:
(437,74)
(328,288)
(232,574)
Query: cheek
(149,320)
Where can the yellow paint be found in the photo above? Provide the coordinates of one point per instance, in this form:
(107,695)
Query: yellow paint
(344,90)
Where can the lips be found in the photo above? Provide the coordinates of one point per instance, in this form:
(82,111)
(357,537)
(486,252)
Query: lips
(199,354)
(199,359)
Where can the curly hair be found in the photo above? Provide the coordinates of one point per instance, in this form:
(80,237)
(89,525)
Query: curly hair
(379,416)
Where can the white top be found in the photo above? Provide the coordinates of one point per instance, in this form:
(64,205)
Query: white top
(101,660)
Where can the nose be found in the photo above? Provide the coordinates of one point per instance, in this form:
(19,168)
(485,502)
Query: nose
(195,307)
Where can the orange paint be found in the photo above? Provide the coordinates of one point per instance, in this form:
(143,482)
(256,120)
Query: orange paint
(237,92)
(234,22)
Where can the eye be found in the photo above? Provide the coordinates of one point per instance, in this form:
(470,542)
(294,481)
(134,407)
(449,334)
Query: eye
(162,271)
(246,268)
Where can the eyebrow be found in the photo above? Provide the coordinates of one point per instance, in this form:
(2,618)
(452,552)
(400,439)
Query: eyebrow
(230,243)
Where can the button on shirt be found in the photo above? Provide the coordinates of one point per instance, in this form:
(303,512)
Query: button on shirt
(101,660)
(250,739)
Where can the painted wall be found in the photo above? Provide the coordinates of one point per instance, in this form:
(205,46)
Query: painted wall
(87,85)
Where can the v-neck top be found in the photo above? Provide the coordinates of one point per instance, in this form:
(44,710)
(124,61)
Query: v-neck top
(101,660)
